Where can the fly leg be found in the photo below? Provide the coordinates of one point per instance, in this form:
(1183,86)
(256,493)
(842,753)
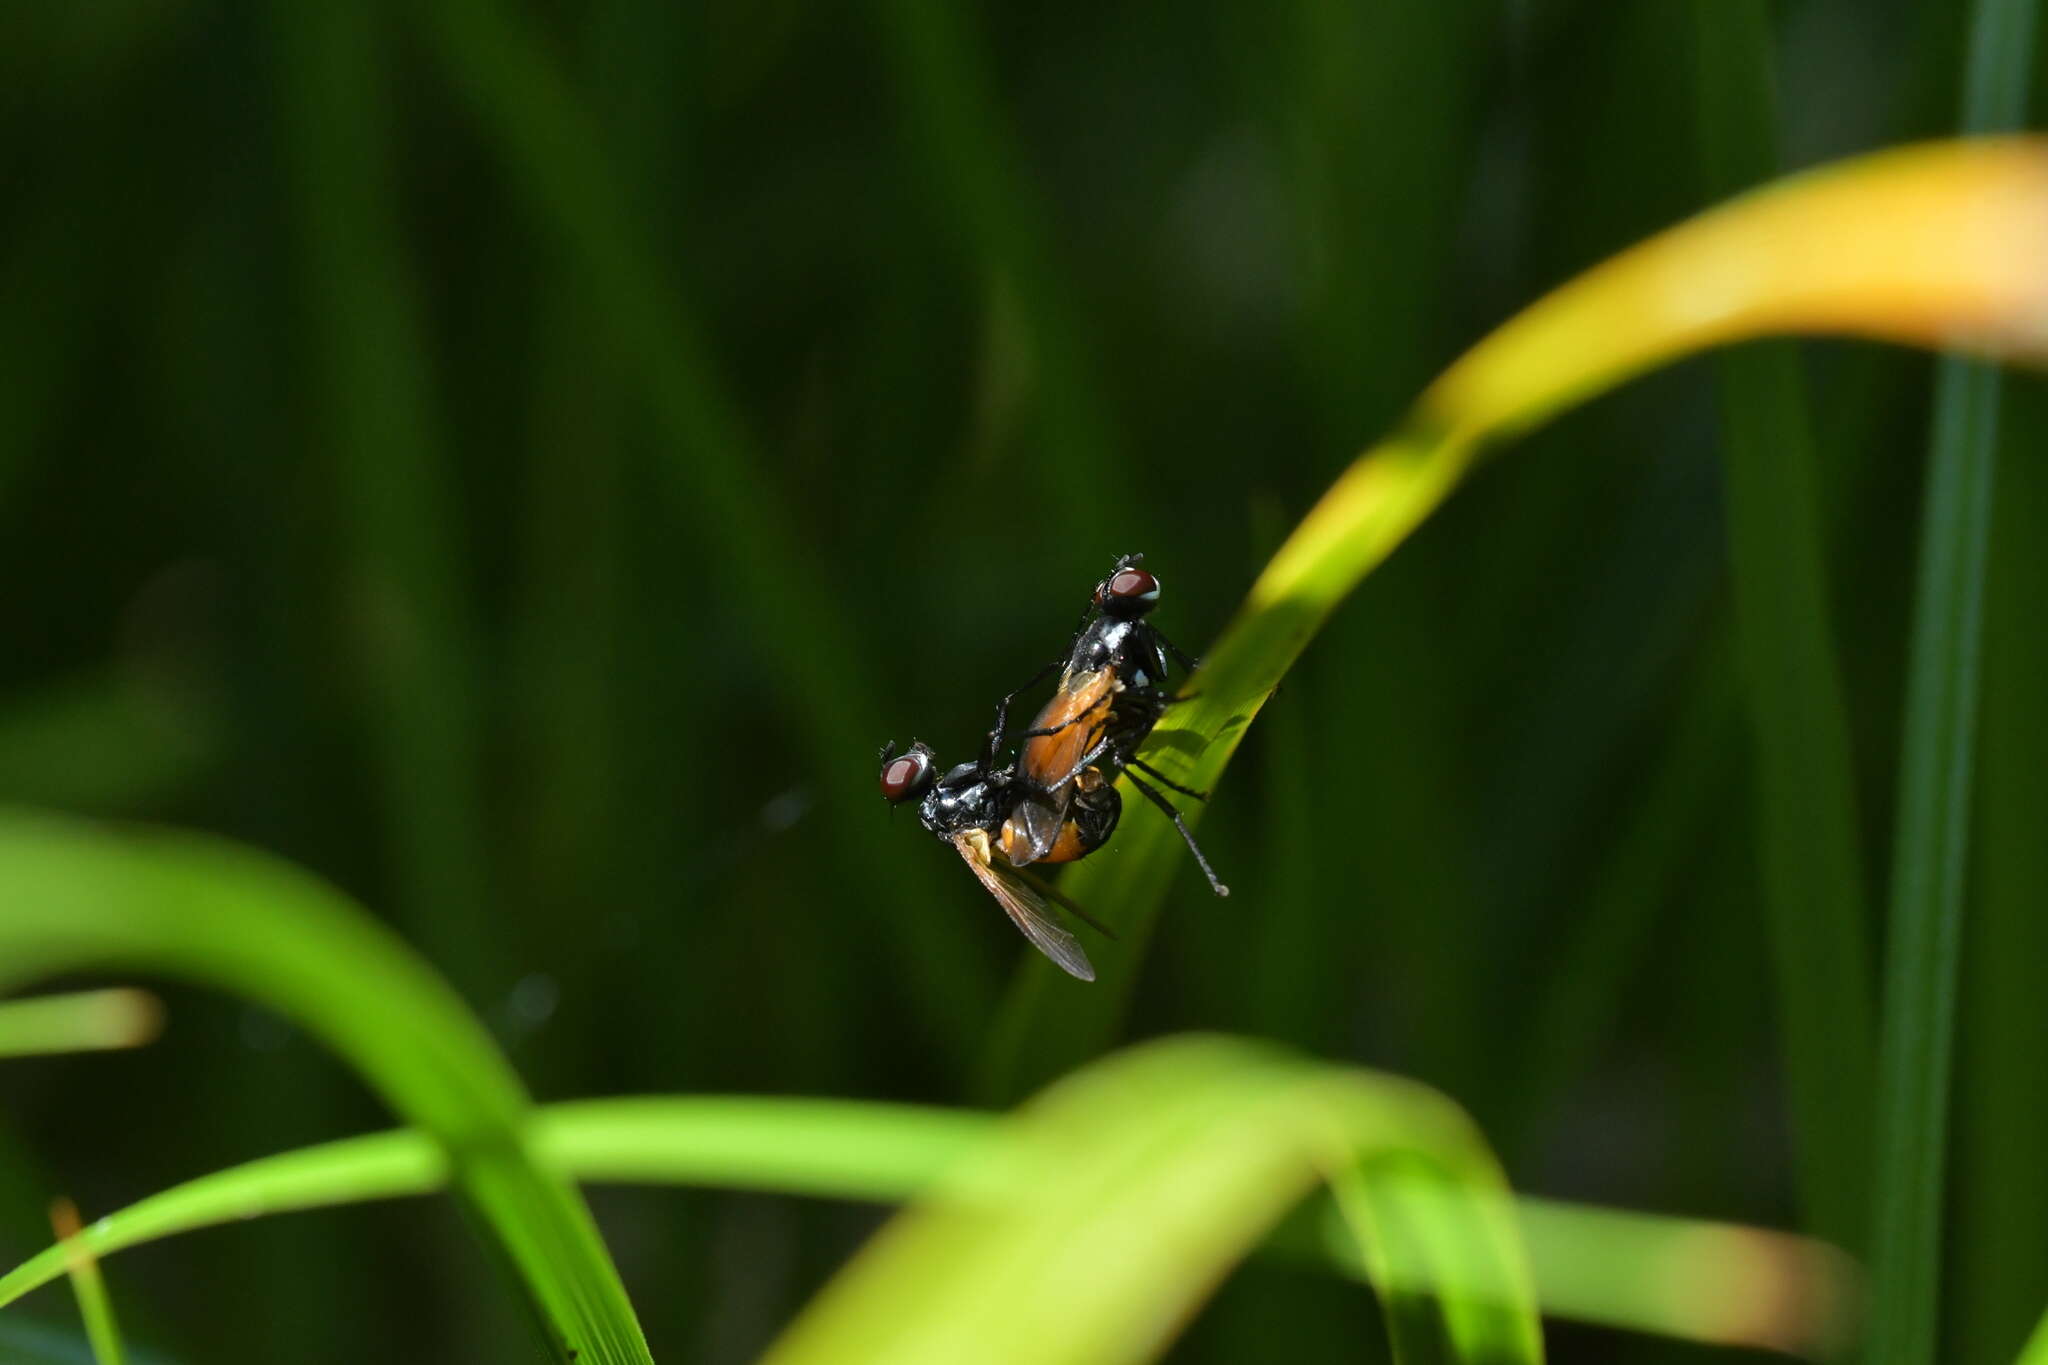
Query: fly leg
(1181,656)
(995,736)
(1095,751)
(1156,799)
(1163,780)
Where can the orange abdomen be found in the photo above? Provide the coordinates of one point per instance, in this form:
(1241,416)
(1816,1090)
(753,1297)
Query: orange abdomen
(1082,707)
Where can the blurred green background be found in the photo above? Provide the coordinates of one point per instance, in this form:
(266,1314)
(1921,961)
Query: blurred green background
(521,461)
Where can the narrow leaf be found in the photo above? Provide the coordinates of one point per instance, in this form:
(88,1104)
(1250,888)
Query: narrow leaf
(1929,245)
(86,1282)
(1805,782)
(1936,772)
(81,1021)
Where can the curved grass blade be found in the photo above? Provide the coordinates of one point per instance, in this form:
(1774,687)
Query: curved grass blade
(1099,1215)
(1812,862)
(1624,1270)
(1936,244)
(1931,846)
(75,899)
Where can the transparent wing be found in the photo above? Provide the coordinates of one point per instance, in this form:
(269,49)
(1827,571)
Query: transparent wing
(1025,907)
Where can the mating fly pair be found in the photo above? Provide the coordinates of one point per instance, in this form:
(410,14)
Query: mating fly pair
(1055,803)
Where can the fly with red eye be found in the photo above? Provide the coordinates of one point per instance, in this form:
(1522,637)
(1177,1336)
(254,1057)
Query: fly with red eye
(1112,691)
(972,807)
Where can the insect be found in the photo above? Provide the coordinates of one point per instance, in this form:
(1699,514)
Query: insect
(972,807)
(1111,692)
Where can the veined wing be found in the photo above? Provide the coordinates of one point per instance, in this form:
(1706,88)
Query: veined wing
(1025,907)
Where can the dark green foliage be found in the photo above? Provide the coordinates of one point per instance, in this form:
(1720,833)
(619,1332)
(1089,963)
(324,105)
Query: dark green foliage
(520,461)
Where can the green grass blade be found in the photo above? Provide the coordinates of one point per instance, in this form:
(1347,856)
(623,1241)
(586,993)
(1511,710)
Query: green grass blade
(1931,848)
(1098,1216)
(1848,249)
(829,1148)
(1631,1271)
(399,509)
(94,1305)
(1813,877)
(2000,1267)
(73,899)
(80,1021)
(711,472)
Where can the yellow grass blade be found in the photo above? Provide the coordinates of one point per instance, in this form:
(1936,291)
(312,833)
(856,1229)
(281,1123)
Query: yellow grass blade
(1939,244)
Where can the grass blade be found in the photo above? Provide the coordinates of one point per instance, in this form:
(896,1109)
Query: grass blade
(2000,1270)
(84,1269)
(81,1021)
(1931,847)
(1922,245)
(1630,1271)
(400,521)
(1096,1218)
(73,899)
(1806,793)
(2036,1352)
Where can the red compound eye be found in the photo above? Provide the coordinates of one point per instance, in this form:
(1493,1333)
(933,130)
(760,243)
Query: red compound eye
(905,777)
(1133,585)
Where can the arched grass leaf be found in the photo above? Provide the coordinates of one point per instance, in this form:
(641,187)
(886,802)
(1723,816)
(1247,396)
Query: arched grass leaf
(1099,1216)
(1626,1270)
(1930,245)
(75,899)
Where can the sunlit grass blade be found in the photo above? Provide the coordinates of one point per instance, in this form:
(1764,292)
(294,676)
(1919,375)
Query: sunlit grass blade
(2036,1352)
(80,1021)
(1694,1280)
(1788,1292)
(1805,780)
(1929,245)
(73,899)
(1930,852)
(1100,1215)
(1720,1284)
(94,1305)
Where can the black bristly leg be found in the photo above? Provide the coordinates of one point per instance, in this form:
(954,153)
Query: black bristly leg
(1163,780)
(1156,799)
(995,736)
(1180,656)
